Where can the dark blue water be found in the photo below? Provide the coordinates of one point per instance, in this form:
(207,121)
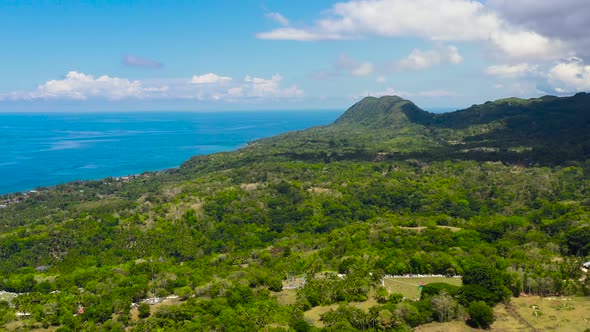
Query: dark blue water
(48,149)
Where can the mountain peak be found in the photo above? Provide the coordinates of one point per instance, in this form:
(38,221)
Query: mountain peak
(381,112)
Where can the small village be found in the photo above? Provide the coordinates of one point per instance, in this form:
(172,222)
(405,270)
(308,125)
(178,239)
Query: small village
(21,197)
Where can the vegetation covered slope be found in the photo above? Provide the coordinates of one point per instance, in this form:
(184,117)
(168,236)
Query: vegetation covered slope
(371,195)
(542,131)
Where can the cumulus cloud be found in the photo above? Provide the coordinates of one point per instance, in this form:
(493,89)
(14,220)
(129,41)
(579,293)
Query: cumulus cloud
(564,18)
(135,61)
(419,59)
(278,17)
(567,20)
(570,75)
(209,78)
(512,71)
(80,86)
(438,20)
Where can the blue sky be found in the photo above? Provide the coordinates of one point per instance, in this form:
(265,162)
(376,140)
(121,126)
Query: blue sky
(230,55)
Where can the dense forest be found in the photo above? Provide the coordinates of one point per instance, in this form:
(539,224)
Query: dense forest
(498,194)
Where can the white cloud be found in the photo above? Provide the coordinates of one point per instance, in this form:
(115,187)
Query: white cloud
(527,44)
(419,59)
(278,17)
(209,78)
(438,20)
(512,71)
(570,75)
(381,79)
(80,86)
(257,87)
(567,20)
(235,92)
(363,69)
(296,34)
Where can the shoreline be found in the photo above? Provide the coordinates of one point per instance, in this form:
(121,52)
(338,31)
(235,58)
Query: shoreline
(208,135)
(43,188)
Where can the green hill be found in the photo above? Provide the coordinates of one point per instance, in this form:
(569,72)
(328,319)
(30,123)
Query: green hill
(388,112)
(546,131)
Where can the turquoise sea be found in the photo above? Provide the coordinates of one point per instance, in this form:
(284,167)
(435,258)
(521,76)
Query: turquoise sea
(47,149)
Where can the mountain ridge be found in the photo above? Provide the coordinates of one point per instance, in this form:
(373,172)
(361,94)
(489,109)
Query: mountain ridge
(546,130)
(393,105)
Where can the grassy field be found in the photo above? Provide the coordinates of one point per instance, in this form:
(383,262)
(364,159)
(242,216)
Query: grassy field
(408,287)
(313,315)
(531,313)
(455,326)
(554,313)
(286,296)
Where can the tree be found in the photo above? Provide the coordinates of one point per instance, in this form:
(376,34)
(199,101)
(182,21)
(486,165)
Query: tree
(480,314)
(471,293)
(437,288)
(578,241)
(381,294)
(444,306)
(489,279)
(301,326)
(275,284)
(395,298)
(184,292)
(144,310)
(408,313)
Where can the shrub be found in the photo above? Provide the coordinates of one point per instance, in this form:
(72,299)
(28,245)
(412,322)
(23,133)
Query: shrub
(480,314)
(144,310)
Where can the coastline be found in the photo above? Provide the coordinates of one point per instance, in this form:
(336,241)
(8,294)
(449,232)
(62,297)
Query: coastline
(46,150)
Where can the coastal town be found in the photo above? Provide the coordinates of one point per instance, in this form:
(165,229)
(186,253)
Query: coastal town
(17,198)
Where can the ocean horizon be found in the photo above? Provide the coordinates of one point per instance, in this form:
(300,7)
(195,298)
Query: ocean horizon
(46,149)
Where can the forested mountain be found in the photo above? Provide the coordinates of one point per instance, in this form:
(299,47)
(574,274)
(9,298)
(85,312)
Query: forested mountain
(546,131)
(497,193)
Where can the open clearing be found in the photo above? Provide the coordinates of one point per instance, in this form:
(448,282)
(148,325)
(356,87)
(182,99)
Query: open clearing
(409,287)
(530,313)
(286,296)
(313,315)
(555,313)
(154,307)
(421,228)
